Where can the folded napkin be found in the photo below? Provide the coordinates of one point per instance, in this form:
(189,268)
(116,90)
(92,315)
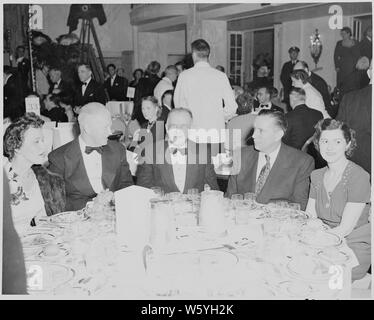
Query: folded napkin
(132,216)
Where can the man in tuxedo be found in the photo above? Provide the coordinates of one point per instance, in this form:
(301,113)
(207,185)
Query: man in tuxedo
(300,121)
(287,68)
(271,169)
(167,104)
(320,84)
(90,90)
(58,85)
(115,85)
(355,111)
(263,101)
(13,95)
(166,83)
(177,165)
(90,163)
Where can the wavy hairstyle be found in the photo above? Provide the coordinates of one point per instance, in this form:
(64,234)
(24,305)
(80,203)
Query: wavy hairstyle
(15,134)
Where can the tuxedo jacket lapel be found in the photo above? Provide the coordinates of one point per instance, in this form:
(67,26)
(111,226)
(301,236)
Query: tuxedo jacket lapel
(253,171)
(89,89)
(75,167)
(166,169)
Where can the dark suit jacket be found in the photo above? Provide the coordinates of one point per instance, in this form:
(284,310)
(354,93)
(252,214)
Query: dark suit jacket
(68,162)
(151,174)
(118,91)
(63,86)
(301,122)
(286,78)
(288,178)
(23,71)
(13,102)
(256,104)
(94,93)
(145,88)
(365,47)
(355,110)
(164,113)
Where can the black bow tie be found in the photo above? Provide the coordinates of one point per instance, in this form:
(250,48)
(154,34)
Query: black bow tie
(264,106)
(175,150)
(90,149)
(84,84)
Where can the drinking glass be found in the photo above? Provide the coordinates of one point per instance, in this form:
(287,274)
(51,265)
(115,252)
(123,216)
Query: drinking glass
(271,228)
(193,193)
(250,196)
(242,213)
(158,191)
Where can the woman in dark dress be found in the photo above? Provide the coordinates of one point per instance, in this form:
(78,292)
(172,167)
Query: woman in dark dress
(340,192)
(137,74)
(346,55)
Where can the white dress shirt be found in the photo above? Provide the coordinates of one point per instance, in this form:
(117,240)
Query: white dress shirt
(84,87)
(57,84)
(179,163)
(93,164)
(314,100)
(163,85)
(262,160)
(112,79)
(202,89)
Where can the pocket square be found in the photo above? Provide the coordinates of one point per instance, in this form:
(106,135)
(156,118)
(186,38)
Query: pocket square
(91,95)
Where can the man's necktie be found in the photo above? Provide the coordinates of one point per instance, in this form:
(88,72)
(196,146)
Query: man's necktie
(88,149)
(263,176)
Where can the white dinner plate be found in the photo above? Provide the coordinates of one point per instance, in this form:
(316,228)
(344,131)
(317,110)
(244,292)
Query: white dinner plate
(68,217)
(309,268)
(36,239)
(320,239)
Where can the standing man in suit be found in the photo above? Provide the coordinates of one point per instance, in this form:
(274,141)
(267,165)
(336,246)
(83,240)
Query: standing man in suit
(285,76)
(115,85)
(320,84)
(166,83)
(355,111)
(176,165)
(90,163)
(13,105)
(271,169)
(301,120)
(58,85)
(90,90)
(263,101)
(23,67)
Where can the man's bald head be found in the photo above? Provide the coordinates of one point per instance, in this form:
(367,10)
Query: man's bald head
(95,123)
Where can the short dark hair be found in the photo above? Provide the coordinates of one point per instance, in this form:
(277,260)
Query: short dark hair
(154,67)
(300,75)
(55,98)
(181,63)
(84,64)
(273,92)
(15,133)
(332,124)
(171,92)
(201,47)
(110,65)
(136,70)
(245,103)
(267,89)
(278,117)
(347,30)
(55,67)
(299,91)
(65,98)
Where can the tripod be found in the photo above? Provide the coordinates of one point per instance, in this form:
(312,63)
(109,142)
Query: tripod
(85,34)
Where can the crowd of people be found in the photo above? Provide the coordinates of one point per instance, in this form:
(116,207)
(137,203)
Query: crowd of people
(294,148)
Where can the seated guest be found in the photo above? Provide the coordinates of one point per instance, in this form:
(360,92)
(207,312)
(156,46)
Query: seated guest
(174,165)
(137,74)
(340,192)
(120,72)
(271,169)
(301,120)
(263,101)
(261,80)
(53,110)
(318,83)
(166,83)
(313,98)
(58,85)
(90,90)
(243,122)
(90,163)
(167,104)
(41,79)
(65,101)
(115,85)
(276,99)
(153,125)
(35,192)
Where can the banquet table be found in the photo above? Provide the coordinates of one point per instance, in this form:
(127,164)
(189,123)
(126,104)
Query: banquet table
(81,256)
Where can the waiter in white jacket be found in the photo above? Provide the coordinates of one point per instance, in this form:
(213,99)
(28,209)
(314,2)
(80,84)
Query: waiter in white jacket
(204,90)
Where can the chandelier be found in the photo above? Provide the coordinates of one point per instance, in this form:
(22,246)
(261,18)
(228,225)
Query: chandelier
(315,47)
